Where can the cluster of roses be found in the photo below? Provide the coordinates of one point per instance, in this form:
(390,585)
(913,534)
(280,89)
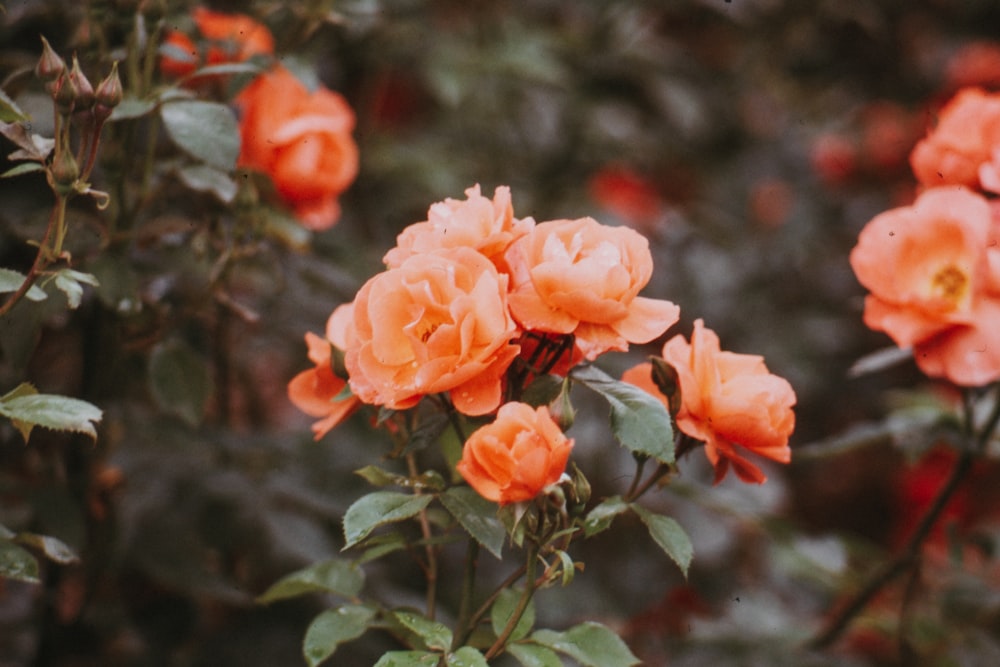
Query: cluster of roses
(475,303)
(933,268)
(299,138)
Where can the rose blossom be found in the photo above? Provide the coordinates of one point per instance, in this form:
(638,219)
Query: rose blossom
(583,278)
(934,279)
(728,400)
(315,391)
(516,456)
(486,225)
(436,323)
(232,38)
(967,131)
(302,141)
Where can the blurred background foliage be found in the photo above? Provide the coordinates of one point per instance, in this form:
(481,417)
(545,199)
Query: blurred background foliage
(749,140)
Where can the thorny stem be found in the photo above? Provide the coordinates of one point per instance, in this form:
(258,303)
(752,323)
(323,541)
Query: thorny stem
(431,567)
(485,606)
(522,604)
(56,222)
(468,589)
(640,463)
(910,555)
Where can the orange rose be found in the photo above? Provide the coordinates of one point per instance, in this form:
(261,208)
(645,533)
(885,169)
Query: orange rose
(515,457)
(230,37)
(315,391)
(728,400)
(301,140)
(968,130)
(478,223)
(436,323)
(583,278)
(934,279)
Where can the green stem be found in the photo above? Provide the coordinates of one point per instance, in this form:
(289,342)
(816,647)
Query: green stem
(522,605)
(637,491)
(485,606)
(462,629)
(56,219)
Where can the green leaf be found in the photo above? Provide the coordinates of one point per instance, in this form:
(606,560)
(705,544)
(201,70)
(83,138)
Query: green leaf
(466,657)
(477,516)
(333,628)
(599,519)
(435,635)
(11,281)
(379,546)
(53,549)
(376,476)
(23,168)
(639,420)
(131,108)
(9,111)
(179,380)
(669,535)
(330,576)
(59,413)
(503,608)
(68,282)
(379,508)
(408,659)
(205,130)
(17,563)
(590,644)
(534,655)
(543,390)
(206,178)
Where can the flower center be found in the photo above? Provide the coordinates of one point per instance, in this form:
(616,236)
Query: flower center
(949,284)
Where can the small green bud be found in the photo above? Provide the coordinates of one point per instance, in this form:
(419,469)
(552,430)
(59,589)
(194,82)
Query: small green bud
(63,173)
(50,66)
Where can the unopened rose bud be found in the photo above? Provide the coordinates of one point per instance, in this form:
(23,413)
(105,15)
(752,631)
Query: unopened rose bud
(64,94)
(50,66)
(84,91)
(108,94)
(63,173)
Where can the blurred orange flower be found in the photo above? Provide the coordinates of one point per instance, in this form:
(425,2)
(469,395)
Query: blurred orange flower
(488,226)
(436,323)
(728,400)
(583,278)
(516,456)
(934,278)
(315,391)
(301,140)
(230,37)
(967,132)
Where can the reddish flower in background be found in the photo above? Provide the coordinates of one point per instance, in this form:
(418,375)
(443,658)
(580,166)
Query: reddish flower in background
(315,391)
(934,279)
(965,137)
(626,194)
(583,278)
(302,141)
(515,457)
(230,38)
(975,64)
(482,224)
(729,401)
(436,323)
